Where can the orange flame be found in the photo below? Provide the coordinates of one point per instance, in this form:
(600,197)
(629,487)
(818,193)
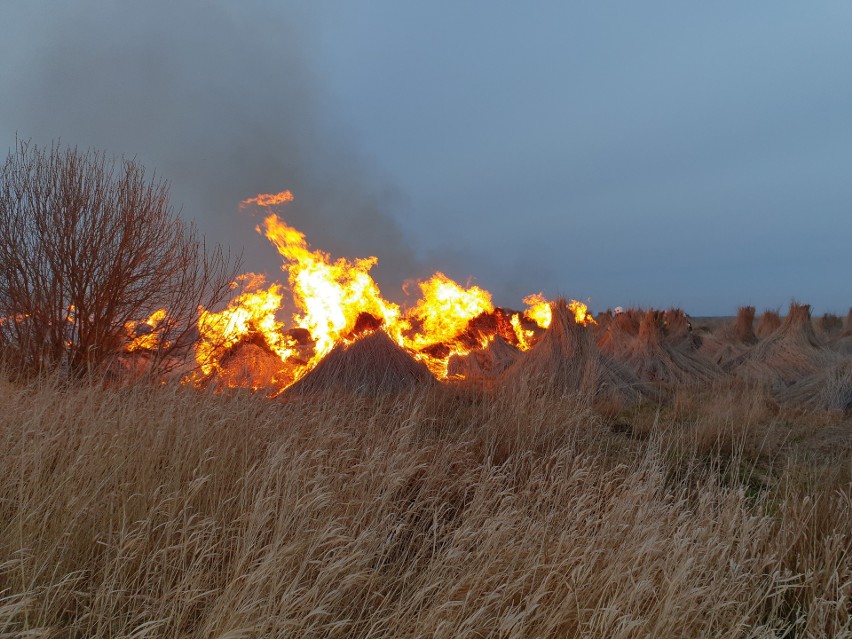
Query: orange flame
(525,336)
(441,315)
(581,313)
(330,294)
(268,199)
(147,335)
(445,310)
(540,311)
(252,312)
(337,299)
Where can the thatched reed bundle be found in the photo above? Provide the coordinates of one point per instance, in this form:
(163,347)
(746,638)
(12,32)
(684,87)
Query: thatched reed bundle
(485,363)
(678,329)
(615,337)
(566,360)
(657,347)
(830,326)
(829,389)
(673,362)
(842,346)
(483,326)
(252,364)
(769,322)
(732,340)
(603,318)
(790,353)
(372,365)
(744,325)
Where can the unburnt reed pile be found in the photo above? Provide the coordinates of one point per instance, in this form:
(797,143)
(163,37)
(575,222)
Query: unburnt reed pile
(744,325)
(663,353)
(830,326)
(442,512)
(371,365)
(789,354)
(730,340)
(769,322)
(827,390)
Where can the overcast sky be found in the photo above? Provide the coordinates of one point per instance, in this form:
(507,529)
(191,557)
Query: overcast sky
(650,153)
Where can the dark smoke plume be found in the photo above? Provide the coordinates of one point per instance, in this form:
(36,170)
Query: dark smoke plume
(219,98)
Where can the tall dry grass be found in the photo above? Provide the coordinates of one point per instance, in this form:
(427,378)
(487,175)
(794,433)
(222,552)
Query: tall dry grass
(166,512)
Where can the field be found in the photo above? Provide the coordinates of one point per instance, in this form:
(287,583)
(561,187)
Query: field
(382,366)
(453,511)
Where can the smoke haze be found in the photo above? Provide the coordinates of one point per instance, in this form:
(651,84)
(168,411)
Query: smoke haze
(217,101)
(623,153)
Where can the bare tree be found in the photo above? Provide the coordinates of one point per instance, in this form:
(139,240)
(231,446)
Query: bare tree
(89,247)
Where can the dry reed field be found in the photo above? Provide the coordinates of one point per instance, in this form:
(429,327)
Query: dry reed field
(442,511)
(176,461)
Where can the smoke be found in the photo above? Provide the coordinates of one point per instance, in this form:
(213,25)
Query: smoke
(222,99)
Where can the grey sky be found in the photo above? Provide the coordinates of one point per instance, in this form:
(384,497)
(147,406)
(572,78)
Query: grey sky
(653,153)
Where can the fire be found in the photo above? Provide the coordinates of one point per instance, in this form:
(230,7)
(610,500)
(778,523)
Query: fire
(250,313)
(336,300)
(147,335)
(268,199)
(581,313)
(440,316)
(330,294)
(524,335)
(444,310)
(538,309)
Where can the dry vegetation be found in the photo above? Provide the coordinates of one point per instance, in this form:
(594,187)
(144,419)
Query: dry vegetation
(164,511)
(634,478)
(371,365)
(90,246)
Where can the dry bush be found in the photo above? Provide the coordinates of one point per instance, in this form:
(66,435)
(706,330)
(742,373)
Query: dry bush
(730,418)
(89,247)
(727,418)
(161,511)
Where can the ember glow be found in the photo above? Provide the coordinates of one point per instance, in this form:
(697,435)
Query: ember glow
(273,334)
